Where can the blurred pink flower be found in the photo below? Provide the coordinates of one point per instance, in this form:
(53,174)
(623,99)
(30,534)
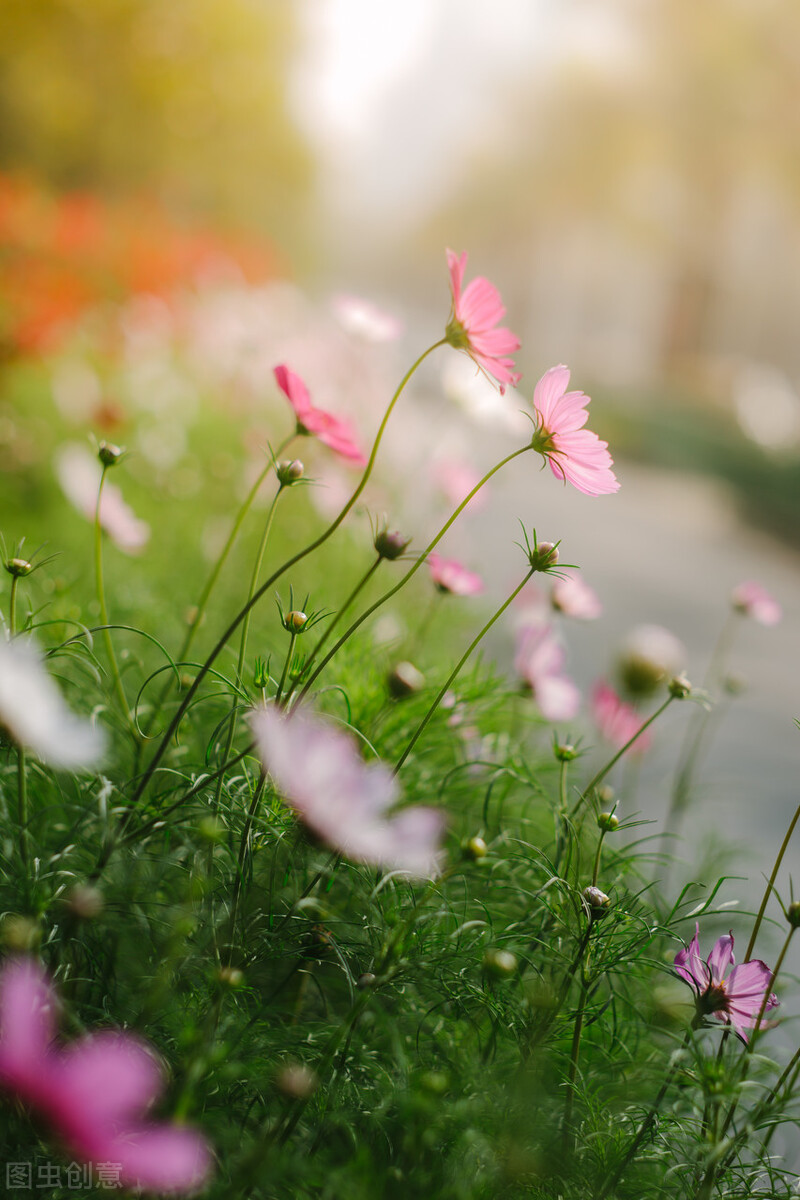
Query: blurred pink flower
(338,435)
(78,471)
(574,598)
(617,721)
(93,1093)
(319,772)
(476,312)
(574,453)
(450,576)
(752,600)
(736,1000)
(456,480)
(539,661)
(33,711)
(364,319)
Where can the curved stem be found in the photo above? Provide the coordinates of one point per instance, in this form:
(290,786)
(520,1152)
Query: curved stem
(412,571)
(443,689)
(243,847)
(600,776)
(101,600)
(290,562)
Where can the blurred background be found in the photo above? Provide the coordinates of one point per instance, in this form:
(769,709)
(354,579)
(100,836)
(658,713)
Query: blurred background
(193,192)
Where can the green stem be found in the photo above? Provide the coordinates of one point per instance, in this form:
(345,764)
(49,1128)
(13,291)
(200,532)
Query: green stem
(600,776)
(243,848)
(574,1054)
(596,870)
(22,812)
(290,562)
(647,1123)
(243,640)
(12,605)
(285,670)
(771,884)
(101,600)
(412,571)
(443,689)
(363,581)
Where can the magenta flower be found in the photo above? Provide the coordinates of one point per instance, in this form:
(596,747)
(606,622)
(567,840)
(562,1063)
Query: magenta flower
(476,312)
(450,576)
(574,453)
(617,721)
(539,662)
(574,598)
(335,433)
(752,600)
(737,1000)
(95,1092)
(320,774)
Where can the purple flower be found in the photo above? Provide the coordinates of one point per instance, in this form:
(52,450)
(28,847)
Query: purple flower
(737,1000)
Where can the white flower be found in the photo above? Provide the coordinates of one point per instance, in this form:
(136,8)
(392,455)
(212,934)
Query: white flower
(34,714)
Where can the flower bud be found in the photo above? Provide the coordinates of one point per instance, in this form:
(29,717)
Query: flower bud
(297,1081)
(390,544)
(84,902)
(109,454)
(793,914)
(434,1082)
(605,794)
(647,657)
(212,829)
(679,687)
(543,556)
(230,977)
(289,471)
(404,680)
(734,685)
(597,902)
(474,848)
(500,963)
(18,567)
(295,621)
(564,753)
(607,822)
(367,980)
(21,935)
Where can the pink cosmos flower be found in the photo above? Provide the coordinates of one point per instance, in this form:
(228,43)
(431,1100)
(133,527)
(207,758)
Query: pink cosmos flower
(95,1092)
(78,472)
(319,772)
(476,312)
(574,453)
(574,598)
(336,434)
(616,720)
(450,576)
(752,600)
(737,1000)
(539,661)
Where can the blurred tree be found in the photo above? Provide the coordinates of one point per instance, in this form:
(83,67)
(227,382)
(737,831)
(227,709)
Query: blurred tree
(183,99)
(659,140)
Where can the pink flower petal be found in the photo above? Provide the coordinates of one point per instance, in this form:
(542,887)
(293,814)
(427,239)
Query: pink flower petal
(575,454)
(321,775)
(450,576)
(28,1008)
(336,434)
(160,1158)
(476,311)
(721,957)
